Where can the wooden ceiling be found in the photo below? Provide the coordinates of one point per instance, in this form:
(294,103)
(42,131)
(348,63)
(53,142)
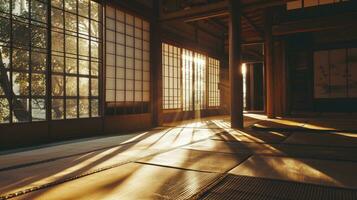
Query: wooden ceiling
(212,16)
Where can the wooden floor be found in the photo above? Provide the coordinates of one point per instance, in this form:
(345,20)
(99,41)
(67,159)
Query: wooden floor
(186,160)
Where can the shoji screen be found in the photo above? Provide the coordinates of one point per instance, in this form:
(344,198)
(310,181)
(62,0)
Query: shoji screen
(187,79)
(200,81)
(127,58)
(213,81)
(171,76)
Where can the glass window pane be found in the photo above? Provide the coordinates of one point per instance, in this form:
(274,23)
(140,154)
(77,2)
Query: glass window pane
(5,32)
(83,7)
(38,84)
(71,44)
(83,25)
(57,42)
(70,5)
(95,10)
(57,3)
(83,47)
(71,108)
(71,86)
(57,109)
(4,111)
(21,108)
(57,64)
(38,61)
(39,37)
(5,7)
(20,83)
(20,59)
(20,8)
(84,67)
(38,11)
(84,108)
(57,86)
(94,87)
(71,65)
(38,109)
(94,108)
(71,22)
(84,87)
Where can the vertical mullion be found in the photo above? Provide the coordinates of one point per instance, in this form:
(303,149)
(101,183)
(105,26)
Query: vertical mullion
(64,54)
(77,56)
(179,57)
(10,67)
(193,68)
(115,59)
(29,63)
(142,65)
(134,62)
(125,69)
(49,63)
(90,61)
(347,65)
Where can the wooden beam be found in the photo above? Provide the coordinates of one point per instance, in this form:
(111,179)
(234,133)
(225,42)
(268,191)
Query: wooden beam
(314,25)
(253,26)
(217,9)
(198,12)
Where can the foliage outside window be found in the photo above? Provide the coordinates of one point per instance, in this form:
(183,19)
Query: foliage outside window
(76,58)
(25,59)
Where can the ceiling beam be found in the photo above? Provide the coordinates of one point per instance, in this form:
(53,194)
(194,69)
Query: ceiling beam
(198,12)
(217,9)
(253,26)
(314,25)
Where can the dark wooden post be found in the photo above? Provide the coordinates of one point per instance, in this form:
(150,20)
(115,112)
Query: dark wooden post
(268,65)
(156,66)
(235,73)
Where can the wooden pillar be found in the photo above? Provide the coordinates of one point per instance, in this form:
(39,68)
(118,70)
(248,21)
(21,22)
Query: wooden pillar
(252,97)
(268,68)
(156,66)
(248,105)
(235,74)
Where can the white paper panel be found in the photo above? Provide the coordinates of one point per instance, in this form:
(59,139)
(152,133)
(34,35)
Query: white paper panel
(120,50)
(129,74)
(110,12)
(120,96)
(110,24)
(110,84)
(146,96)
(120,27)
(352,71)
(110,95)
(321,74)
(120,61)
(110,60)
(110,47)
(120,72)
(129,96)
(120,15)
(110,71)
(338,65)
(119,84)
(110,35)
